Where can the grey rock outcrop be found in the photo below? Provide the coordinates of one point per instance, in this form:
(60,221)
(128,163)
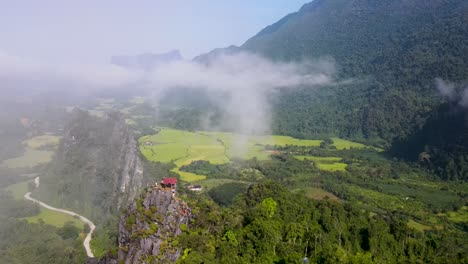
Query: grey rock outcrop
(149,228)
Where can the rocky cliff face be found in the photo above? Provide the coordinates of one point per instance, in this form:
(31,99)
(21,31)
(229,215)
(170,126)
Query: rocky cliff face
(97,169)
(130,179)
(149,228)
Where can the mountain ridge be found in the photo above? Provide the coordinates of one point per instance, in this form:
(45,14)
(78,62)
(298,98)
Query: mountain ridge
(394,50)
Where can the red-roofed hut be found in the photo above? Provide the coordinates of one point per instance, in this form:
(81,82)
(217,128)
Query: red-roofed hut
(169,182)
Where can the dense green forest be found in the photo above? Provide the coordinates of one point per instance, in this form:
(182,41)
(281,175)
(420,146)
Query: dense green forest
(269,224)
(370,181)
(24,242)
(441,144)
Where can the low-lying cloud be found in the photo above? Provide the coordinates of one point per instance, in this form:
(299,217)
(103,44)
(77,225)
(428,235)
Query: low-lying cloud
(244,79)
(453,92)
(31,76)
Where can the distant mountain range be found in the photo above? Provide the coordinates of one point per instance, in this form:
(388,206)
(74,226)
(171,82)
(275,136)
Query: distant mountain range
(146,61)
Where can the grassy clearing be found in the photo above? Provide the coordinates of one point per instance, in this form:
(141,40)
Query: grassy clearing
(460,216)
(42,141)
(19,189)
(431,195)
(48,216)
(188,176)
(209,184)
(346,144)
(326,163)
(319,159)
(389,202)
(54,218)
(337,166)
(31,158)
(320,194)
(418,226)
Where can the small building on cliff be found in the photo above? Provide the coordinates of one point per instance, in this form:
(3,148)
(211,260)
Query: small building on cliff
(169,183)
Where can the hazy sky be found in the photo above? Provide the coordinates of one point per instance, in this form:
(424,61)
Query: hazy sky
(88,31)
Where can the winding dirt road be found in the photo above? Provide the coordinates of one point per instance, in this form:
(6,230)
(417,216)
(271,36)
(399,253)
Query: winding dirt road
(89,252)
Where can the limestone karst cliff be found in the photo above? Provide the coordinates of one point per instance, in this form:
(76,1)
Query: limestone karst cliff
(149,227)
(97,169)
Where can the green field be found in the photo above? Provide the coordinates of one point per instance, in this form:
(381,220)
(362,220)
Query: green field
(183,147)
(319,159)
(337,166)
(247,147)
(42,141)
(418,226)
(460,216)
(30,158)
(209,184)
(54,218)
(19,189)
(48,216)
(326,163)
(346,144)
(320,194)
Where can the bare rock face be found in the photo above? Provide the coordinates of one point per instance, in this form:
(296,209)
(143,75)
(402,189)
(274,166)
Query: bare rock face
(149,228)
(130,178)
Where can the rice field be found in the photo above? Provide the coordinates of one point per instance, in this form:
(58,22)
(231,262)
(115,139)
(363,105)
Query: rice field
(183,147)
(326,163)
(247,147)
(337,166)
(341,144)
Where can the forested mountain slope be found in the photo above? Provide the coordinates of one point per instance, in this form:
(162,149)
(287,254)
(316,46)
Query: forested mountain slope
(393,50)
(390,52)
(400,46)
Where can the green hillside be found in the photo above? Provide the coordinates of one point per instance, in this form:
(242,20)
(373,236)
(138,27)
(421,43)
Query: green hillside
(388,52)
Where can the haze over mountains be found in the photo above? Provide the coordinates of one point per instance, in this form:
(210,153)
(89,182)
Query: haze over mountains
(388,57)
(146,61)
(337,134)
(393,50)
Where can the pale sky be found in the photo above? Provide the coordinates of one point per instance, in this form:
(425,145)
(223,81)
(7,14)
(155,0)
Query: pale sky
(89,31)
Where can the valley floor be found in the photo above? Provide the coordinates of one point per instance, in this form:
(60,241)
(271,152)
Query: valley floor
(87,240)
